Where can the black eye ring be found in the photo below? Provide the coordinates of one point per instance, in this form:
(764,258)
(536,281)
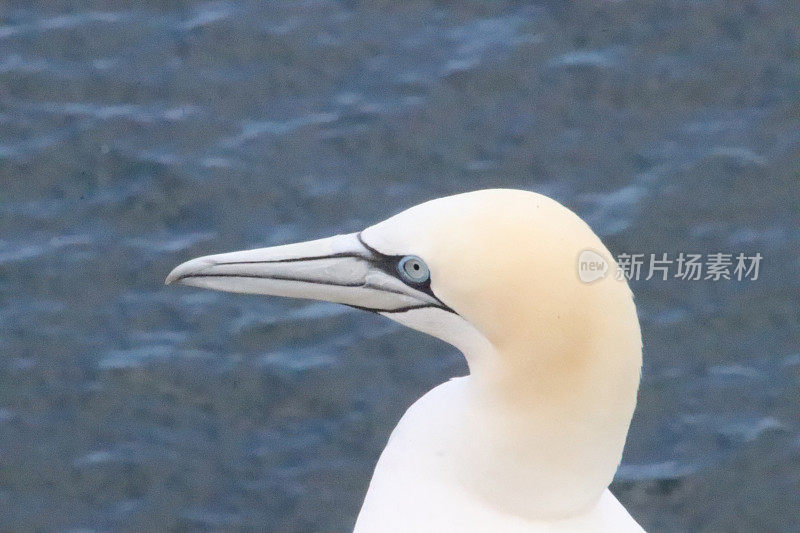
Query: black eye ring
(413,269)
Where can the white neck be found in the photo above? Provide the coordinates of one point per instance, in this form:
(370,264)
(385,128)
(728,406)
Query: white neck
(535,435)
(535,454)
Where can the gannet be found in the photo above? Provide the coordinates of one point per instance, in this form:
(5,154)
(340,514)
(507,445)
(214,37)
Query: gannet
(529,440)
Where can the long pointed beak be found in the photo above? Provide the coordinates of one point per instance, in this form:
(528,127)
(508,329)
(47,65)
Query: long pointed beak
(340,269)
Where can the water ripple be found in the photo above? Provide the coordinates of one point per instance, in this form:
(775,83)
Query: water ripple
(135,113)
(207,14)
(170,244)
(62,22)
(253,129)
(664,470)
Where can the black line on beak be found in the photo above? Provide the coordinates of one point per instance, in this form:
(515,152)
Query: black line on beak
(295,259)
(278,278)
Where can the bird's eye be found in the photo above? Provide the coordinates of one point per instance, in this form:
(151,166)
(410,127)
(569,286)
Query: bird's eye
(413,269)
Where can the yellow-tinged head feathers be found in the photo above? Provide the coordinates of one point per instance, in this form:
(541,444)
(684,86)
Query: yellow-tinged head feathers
(507,261)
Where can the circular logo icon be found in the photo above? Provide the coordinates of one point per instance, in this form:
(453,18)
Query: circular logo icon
(591,266)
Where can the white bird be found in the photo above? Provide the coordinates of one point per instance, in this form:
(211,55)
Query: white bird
(528,441)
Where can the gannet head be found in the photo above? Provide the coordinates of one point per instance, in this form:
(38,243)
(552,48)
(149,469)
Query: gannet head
(495,273)
(487,271)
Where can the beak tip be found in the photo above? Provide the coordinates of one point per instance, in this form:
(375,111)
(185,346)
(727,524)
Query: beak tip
(187,269)
(173,277)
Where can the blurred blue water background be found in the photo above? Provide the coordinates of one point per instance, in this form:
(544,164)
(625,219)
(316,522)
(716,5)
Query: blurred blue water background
(137,135)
